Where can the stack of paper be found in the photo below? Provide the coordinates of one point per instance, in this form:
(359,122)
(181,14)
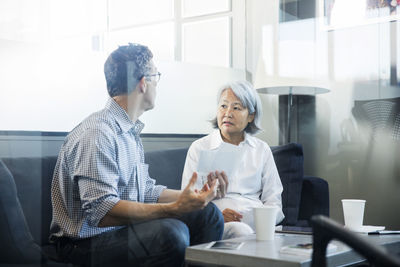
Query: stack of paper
(304,249)
(226,158)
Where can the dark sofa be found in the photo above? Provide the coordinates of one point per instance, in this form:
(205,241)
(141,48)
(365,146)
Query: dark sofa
(25,207)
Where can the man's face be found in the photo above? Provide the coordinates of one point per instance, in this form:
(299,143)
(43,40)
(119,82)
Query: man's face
(151,84)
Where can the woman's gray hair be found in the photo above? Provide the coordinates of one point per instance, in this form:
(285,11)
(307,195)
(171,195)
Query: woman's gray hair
(249,99)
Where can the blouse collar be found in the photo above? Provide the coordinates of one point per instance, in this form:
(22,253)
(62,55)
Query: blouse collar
(216,139)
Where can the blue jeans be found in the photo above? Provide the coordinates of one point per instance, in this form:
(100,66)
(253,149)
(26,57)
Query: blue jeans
(160,242)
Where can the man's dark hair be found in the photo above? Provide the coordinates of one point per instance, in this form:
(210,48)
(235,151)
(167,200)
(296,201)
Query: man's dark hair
(125,67)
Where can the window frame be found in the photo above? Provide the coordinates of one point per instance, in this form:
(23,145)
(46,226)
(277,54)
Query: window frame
(237,27)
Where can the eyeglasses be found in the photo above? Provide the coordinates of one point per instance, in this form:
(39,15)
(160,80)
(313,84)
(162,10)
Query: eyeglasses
(157,75)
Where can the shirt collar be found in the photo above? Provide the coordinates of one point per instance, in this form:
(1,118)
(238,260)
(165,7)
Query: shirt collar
(249,139)
(122,118)
(216,139)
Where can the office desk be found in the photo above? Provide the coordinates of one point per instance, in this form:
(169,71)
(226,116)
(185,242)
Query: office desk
(266,253)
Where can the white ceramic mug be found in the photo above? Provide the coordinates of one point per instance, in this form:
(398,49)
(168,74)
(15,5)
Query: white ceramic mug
(265,220)
(353,211)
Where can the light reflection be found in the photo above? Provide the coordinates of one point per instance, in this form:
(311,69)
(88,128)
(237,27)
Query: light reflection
(345,12)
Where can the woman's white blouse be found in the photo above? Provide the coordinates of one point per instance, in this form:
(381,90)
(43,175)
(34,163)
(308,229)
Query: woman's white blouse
(255,182)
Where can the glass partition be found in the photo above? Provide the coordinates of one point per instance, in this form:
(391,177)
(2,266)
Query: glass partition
(350,135)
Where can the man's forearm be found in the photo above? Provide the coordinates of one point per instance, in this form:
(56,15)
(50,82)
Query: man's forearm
(169,195)
(171,203)
(125,212)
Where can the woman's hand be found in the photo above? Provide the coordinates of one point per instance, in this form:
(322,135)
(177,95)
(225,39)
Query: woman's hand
(231,215)
(222,182)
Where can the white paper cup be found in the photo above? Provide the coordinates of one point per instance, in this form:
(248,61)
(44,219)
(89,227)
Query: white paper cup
(265,219)
(353,211)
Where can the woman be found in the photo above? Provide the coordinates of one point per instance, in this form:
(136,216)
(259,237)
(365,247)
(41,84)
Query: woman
(255,181)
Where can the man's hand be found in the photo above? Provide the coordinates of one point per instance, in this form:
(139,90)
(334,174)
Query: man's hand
(222,182)
(191,199)
(171,203)
(231,215)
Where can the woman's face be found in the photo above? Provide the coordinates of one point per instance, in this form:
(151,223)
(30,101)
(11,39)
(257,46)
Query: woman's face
(232,117)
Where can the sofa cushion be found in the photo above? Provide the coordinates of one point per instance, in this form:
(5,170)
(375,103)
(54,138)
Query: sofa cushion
(289,161)
(33,178)
(315,190)
(16,242)
(166,166)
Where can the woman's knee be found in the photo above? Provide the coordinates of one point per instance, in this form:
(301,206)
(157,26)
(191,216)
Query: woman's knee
(236,229)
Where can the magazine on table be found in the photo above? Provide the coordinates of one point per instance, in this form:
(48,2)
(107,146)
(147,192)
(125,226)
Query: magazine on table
(225,245)
(304,249)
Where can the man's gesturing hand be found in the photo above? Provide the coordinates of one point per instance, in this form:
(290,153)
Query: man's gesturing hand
(191,199)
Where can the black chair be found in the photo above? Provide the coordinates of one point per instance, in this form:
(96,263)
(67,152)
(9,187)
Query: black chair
(325,229)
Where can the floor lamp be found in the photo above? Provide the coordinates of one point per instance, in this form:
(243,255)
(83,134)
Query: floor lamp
(291,90)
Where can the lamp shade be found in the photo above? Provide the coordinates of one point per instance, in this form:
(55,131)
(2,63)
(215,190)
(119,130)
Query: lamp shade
(287,85)
(294,90)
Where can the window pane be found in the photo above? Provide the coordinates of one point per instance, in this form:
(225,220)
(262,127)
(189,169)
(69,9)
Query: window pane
(130,12)
(68,18)
(207,42)
(192,8)
(159,38)
(20,20)
(98,15)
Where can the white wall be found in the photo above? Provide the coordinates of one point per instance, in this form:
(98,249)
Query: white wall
(52,88)
(186,97)
(260,53)
(48,88)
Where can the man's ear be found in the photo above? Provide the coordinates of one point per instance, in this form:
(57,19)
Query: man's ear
(142,85)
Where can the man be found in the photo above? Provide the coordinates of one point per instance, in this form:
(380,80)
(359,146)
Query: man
(106,209)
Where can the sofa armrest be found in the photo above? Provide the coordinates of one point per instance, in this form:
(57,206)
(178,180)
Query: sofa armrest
(314,199)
